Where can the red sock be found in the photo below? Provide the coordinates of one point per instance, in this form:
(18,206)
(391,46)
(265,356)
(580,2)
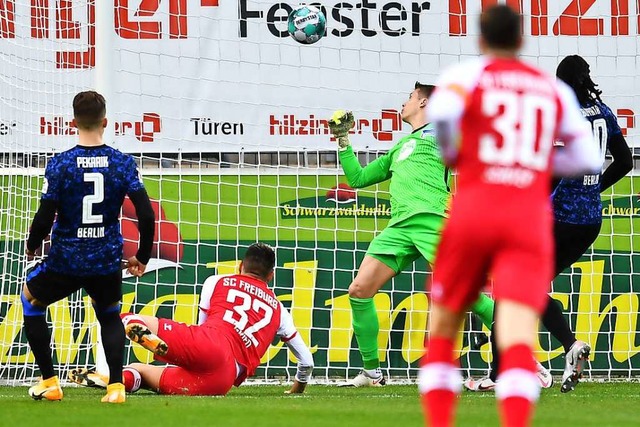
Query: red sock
(439,350)
(516,411)
(131,379)
(518,387)
(438,406)
(439,380)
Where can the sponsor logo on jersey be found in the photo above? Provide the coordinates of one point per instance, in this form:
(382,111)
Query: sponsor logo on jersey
(406,150)
(427,132)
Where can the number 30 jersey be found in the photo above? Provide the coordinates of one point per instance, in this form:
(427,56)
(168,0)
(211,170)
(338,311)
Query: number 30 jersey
(508,114)
(88,185)
(247,313)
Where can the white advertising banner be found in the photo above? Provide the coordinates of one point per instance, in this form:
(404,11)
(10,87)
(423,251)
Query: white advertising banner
(224,76)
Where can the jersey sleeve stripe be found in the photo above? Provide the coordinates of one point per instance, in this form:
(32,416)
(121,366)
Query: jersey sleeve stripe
(285,339)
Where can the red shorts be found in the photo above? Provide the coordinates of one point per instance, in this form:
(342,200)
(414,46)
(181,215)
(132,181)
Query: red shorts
(205,366)
(476,246)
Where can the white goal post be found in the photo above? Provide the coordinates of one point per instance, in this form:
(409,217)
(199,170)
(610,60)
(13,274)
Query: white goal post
(227,118)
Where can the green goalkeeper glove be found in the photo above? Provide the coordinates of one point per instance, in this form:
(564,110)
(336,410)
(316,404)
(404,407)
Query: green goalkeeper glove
(340,124)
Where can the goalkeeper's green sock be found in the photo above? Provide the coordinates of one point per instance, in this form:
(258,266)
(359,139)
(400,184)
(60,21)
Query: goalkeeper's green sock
(366,327)
(483,308)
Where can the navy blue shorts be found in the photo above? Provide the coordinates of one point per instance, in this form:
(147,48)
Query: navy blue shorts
(48,286)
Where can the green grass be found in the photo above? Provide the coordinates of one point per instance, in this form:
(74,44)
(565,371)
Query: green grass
(609,404)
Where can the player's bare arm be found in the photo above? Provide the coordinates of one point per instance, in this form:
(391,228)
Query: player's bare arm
(289,335)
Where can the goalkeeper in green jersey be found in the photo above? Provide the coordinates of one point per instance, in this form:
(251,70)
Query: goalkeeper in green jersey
(419,191)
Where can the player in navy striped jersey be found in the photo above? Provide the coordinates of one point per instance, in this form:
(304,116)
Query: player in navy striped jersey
(577,210)
(85,186)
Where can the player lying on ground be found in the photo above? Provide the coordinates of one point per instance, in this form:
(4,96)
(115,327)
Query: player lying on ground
(239,318)
(577,210)
(85,186)
(496,120)
(419,192)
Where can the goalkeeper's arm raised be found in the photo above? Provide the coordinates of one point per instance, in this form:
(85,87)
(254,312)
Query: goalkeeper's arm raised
(357,176)
(289,335)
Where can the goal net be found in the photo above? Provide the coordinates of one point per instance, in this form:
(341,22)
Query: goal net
(227,117)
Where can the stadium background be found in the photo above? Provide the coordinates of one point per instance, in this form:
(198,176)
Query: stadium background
(224,114)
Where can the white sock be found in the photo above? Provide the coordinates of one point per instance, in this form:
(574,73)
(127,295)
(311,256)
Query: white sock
(133,318)
(373,373)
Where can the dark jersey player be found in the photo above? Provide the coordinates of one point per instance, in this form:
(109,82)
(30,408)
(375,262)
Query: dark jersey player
(577,211)
(577,205)
(85,186)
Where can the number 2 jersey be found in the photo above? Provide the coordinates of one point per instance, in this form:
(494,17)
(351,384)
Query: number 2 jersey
(577,201)
(247,313)
(88,186)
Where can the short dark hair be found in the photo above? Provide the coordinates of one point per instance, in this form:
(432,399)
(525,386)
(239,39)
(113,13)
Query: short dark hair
(425,90)
(260,259)
(501,27)
(575,71)
(89,109)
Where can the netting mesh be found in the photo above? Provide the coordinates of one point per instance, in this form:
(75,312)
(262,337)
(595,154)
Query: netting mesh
(227,118)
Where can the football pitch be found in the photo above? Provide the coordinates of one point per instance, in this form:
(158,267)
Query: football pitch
(592,404)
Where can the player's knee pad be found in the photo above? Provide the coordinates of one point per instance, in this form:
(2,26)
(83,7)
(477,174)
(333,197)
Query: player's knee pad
(30,309)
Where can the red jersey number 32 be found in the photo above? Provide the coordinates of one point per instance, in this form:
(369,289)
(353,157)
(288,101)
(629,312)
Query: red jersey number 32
(244,304)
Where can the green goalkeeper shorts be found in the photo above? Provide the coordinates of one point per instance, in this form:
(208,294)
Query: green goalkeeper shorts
(400,244)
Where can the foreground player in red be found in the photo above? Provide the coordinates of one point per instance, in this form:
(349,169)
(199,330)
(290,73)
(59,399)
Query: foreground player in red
(239,318)
(496,120)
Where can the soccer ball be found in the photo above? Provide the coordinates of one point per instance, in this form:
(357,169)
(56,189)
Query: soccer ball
(306,24)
